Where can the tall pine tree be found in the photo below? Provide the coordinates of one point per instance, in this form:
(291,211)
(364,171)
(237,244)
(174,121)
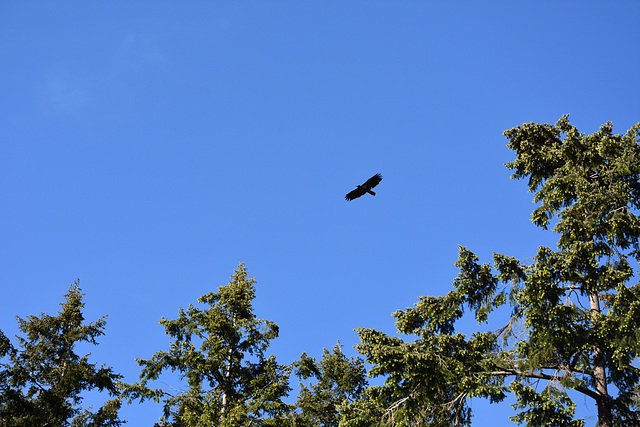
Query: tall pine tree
(336,382)
(575,314)
(42,378)
(220,352)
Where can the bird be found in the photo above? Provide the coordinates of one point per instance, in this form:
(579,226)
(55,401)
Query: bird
(364,188)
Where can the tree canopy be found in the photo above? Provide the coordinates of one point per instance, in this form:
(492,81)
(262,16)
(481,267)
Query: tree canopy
(560,324)
(42,378)
(220,351)
(338,381)
(574,313)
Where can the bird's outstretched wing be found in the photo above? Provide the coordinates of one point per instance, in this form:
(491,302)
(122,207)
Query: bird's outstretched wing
(372,182)
(355,194)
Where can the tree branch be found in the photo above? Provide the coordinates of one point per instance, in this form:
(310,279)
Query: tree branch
(539,375)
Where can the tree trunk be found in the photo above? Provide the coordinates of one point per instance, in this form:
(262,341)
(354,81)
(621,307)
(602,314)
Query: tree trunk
(605,417)
(226,386)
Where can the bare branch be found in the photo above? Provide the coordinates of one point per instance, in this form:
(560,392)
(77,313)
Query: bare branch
(539,375)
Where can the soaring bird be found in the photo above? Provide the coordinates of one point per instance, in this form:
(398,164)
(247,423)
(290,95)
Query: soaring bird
(364,188)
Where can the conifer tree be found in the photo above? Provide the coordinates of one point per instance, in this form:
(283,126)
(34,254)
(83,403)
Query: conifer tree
(574,311)
(337,382)
(42,378)
(220,352)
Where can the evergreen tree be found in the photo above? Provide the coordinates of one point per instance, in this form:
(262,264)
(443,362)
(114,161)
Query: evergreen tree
(339,381)
(220,352)
(42,378)
(575,316)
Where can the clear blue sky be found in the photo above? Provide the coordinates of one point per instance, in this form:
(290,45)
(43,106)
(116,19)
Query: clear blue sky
(148,147)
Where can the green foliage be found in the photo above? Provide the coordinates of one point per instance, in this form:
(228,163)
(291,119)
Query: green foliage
(551,408)
(219,352)
(42,378)
(339,382)
(574,315)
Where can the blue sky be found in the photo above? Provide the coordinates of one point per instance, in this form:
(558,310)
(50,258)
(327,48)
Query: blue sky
(148,147)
